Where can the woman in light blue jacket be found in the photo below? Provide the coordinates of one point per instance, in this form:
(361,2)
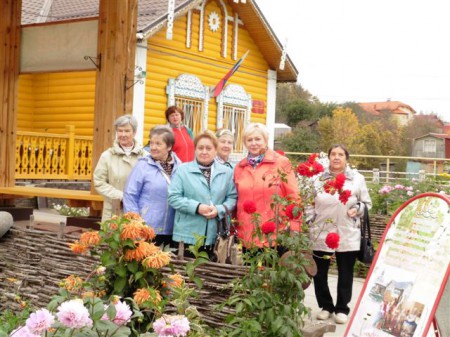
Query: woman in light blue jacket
(147,186)
(198,193)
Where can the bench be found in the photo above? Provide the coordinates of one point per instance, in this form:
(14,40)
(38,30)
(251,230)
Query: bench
(76,198)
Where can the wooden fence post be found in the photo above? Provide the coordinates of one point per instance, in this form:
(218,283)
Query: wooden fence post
(376,175)
(70,129)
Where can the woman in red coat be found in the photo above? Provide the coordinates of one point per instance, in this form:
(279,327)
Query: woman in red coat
(257,179)
(184,143)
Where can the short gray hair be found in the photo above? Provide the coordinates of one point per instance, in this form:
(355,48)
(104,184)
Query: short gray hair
(256,127)
(166,133)
(126,119)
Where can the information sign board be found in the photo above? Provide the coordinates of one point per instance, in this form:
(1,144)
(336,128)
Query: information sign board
(410,271)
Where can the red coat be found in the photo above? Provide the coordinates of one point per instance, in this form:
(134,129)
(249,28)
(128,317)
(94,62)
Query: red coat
(259,185)
(184,145)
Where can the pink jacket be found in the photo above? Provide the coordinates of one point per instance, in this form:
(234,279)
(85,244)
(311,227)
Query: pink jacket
(259,185)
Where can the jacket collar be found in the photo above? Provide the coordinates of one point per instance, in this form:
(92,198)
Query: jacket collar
(116,149)
(269,157)
(349,174)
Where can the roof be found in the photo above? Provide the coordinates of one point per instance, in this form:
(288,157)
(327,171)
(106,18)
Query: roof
(394,107)
(436,135)
(152,17)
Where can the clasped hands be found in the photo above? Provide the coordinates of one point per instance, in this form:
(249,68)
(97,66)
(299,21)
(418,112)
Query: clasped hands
(208,211)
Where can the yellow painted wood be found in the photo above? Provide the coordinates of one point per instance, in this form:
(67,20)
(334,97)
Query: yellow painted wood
(169,59)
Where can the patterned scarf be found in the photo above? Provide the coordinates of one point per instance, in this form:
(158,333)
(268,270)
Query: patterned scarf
(167,164)
(255,161)
(206,171)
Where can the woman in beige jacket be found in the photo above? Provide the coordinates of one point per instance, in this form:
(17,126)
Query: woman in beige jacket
(115,164)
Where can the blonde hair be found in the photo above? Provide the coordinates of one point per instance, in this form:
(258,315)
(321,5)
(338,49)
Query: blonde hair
(256,127)
(208,135)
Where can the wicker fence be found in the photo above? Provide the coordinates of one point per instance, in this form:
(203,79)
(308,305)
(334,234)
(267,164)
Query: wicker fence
(33,263)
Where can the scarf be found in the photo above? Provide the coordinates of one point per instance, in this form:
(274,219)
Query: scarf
(167,164)
(255,161)
(206,171)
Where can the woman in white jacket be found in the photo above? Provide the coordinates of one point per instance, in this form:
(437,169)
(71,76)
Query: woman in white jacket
(331,215)
(115,164)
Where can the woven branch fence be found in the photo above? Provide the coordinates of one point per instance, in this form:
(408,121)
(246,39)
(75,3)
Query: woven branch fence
(33,263)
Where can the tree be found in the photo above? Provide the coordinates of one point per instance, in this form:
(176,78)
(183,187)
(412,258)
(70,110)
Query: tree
(301,139)
(299,110)
(342,127)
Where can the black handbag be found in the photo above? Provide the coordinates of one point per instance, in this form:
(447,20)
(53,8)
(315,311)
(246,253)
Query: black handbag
(226,249)
(366,250)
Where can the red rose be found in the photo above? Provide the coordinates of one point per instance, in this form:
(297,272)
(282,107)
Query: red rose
(332,240)
(268,227)
(344,195)
(249,206)
(308,169)
(339,181)
(281,152)
(329,187)
(292,212)
(312,158)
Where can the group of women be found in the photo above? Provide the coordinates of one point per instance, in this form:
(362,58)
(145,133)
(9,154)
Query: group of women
(185,184)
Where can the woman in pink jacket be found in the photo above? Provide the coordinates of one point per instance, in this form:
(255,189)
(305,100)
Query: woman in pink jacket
(257,179)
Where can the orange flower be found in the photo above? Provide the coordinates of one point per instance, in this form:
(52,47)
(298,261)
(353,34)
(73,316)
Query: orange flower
(78,248)
(157,260)
(142,250)
(91,238)
(88,294)
(147,294)
(133,216)
(174,281)
(148,233)
(72,283)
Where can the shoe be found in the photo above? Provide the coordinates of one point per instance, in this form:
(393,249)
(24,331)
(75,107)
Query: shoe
(341,318)
(323,315)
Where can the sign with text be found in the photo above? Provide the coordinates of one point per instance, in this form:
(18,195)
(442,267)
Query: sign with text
(408,276)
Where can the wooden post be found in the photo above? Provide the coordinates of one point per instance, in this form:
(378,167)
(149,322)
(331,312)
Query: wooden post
(10,16)
(70,150)
(116,49)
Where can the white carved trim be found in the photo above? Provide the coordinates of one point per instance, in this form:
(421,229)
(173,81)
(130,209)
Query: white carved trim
(189,29)
(170,91)
(201,26)
(271,102)
(213,21)
(139,90)
(225,29)
(235,36)
(234,95)
(170,17)
(283,56)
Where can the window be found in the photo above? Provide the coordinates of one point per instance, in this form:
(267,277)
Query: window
(429,146)
(188,93)
(234,120)
(193,112)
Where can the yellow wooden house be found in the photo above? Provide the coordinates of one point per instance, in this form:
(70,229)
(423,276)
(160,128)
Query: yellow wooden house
(184,48)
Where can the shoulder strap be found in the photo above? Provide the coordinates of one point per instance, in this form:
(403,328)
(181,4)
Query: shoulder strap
(365,223)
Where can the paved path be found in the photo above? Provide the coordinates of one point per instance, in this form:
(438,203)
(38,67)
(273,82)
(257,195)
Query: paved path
(310,301)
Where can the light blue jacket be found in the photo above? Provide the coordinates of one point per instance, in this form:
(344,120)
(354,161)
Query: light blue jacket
(189,188)
(146,193)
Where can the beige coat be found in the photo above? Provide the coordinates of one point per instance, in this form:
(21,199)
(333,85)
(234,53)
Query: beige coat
(111,174)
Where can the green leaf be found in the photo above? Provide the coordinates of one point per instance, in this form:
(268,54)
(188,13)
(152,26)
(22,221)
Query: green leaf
(138,275)
(133,266)
(119,284)
(98,309)
(121,270)
(111,312)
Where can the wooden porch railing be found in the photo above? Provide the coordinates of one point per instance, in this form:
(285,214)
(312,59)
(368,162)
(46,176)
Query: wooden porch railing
(53,156)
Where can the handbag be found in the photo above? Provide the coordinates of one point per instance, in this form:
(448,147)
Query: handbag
(366,251)
(226,248)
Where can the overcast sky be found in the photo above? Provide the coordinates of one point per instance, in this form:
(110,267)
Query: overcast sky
(368,50)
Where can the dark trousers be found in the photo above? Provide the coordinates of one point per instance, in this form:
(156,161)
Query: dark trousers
(345,263)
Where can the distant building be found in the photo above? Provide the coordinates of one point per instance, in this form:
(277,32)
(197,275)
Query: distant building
(432,145)
(402,112)
(281,130)
(432,119)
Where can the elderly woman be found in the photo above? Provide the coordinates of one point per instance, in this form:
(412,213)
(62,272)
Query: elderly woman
(148,184)
(331,215)
(257,179)
(225,142)
(115,164)
(199,191)
(184,146)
